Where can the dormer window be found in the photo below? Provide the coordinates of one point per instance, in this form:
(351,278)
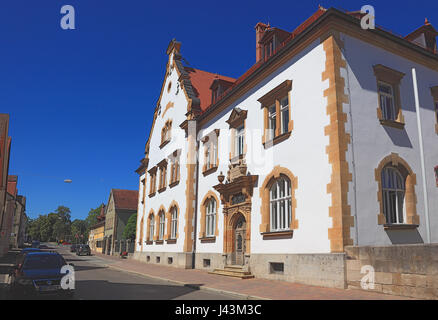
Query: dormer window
(218,87)
(269,48)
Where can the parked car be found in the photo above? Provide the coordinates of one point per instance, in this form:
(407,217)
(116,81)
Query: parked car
(38,273)
(23,252)
(73,247)
(83,249)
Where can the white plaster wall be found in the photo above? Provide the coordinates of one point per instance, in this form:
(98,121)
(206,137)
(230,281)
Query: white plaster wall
(176,193)
(303,154)
(373,142)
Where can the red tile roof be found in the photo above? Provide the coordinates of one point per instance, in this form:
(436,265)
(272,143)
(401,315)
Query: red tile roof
(125,199)
(201,82)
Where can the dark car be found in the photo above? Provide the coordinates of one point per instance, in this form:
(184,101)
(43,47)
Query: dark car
(23,252)
(73,247)
(83,249)
(38,273)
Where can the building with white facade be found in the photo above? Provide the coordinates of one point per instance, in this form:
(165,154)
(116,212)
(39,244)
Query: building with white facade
(287,171)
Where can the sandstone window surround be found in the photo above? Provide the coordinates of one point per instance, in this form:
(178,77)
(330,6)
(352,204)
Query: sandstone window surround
(389,110)
(209,218)
(434,92)
(211,153)
(172,223)
(160,226)
(143,185)
(166,133)
(153,181)
(396,194)
(162,166)
(278,208)
(140,234)
(236,122)
(276,105)
(174,168)
(150,228)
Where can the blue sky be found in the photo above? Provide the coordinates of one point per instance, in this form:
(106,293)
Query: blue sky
(81,101)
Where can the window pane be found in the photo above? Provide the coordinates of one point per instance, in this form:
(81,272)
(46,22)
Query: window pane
(285,120)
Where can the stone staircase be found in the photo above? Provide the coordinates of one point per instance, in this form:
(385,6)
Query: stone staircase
(233,271)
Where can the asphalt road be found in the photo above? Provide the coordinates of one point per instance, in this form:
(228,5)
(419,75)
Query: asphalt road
(95,280)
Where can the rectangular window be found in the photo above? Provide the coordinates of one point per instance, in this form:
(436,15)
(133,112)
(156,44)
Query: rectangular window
(174,223)
(272,121)
(239,140)
(386,98)
(276,267)
(284,109)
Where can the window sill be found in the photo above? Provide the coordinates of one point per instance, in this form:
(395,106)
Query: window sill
(164,143)
(287,234)
(171,241)
(399,226)
(151,194)
(209,171)
(392,123)
(159,241)
(171,185)
(276,140)
(208,239)
(161,189)
(149,242)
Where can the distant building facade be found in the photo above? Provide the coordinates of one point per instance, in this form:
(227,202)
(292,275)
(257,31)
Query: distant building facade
(97,232)
(121,205)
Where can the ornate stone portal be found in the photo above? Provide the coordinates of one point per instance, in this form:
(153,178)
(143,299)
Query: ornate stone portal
(236,194)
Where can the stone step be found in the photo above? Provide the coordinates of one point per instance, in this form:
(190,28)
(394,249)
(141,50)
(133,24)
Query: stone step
(234,268)
(233,273)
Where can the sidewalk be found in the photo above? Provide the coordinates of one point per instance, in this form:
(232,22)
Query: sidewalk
(246,289)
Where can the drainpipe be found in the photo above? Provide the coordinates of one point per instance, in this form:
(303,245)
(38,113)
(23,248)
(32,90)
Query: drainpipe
(195,216)
(420,138)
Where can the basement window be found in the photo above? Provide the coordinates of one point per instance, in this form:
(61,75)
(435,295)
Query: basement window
(169,260)
(158,259)
(206,263)
(148,258)
(276,267)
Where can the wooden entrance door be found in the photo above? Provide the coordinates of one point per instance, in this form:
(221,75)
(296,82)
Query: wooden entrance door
(240,241)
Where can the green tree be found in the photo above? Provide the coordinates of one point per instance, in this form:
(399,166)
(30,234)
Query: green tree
(91,220)
(131,227)
(78,230)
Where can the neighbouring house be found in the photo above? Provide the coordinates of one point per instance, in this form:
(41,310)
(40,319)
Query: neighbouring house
(5,148)
(307,167)
(19,223)
(97,232)
(121,205)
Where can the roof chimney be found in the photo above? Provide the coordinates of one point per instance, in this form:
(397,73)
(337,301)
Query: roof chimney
(260,29)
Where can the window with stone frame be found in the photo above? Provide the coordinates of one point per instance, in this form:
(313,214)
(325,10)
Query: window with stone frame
(174,168)
(161,225)
(166,133)
(281,204)
(389,110)
(236,122)
(153,181)
(151,228)
(211,155)
(396,193)
(210,218)
(174,222)
(143,185)
(162,166)
(276,105)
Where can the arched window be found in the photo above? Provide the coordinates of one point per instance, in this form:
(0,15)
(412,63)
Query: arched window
(151,227)
(281,204)
(393,195)
(174,222)
(210,217)
(161,225)
(396,192)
